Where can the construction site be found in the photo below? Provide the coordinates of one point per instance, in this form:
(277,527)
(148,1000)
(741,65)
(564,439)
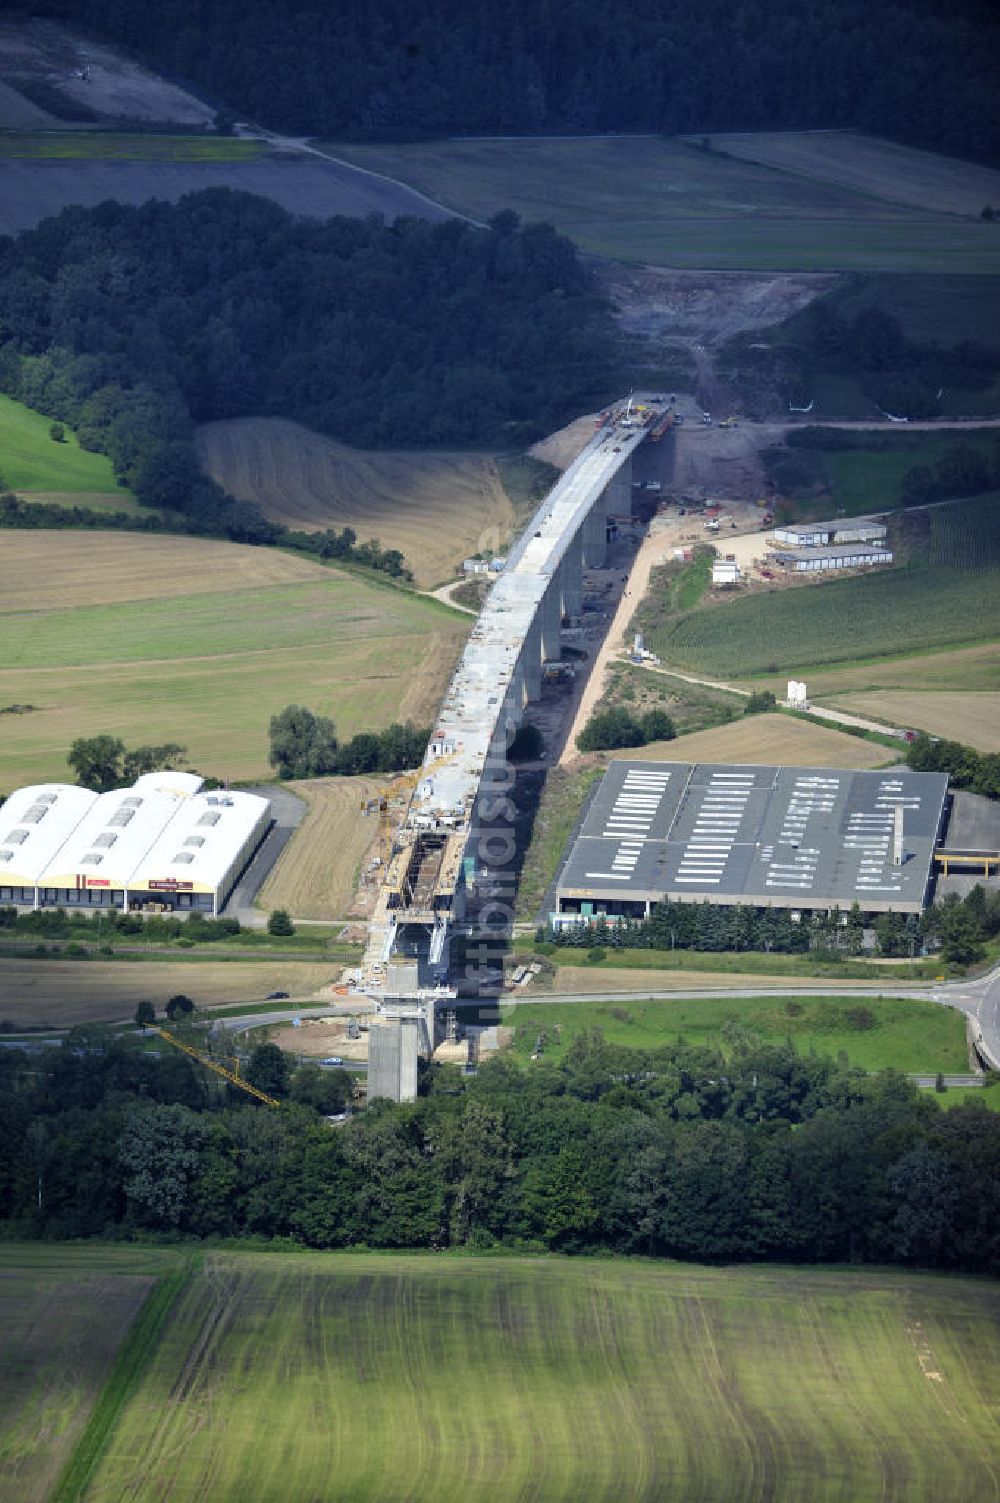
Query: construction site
(451,856)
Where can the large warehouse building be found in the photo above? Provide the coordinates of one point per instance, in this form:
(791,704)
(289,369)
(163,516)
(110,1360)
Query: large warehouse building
(161,844)
(782,837)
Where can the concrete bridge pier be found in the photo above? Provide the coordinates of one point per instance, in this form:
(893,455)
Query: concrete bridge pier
(531,660)
(569,578)
(595,535)
(551,616)
(617,497)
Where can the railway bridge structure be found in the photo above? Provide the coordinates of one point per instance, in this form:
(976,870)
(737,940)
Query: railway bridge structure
(456,829)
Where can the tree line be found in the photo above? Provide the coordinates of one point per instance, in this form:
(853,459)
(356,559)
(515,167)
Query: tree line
(917,70)
(305,745)
(133,324)
(968,769)
(957,927)
(750,1153)
(899,375)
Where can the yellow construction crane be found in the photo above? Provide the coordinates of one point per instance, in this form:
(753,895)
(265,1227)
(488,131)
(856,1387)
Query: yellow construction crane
(391,795)
(232,1076)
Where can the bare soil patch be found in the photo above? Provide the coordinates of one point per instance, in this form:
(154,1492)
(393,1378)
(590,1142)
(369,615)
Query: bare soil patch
(62,993)
(57,570)
(705,306)
(435,508)
(78,78)
(318,1038)
(867,164)
(563,446)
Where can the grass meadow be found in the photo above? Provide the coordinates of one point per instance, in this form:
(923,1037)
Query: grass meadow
(861,480)
(665,201)
(188,640)
(876,1033)
(948,593)
(32,461)
(359,1376)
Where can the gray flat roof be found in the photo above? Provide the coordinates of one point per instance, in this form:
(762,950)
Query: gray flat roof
(841,524)
(809,837)
(833,550)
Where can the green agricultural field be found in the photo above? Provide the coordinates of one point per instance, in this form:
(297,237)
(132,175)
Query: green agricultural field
(63,1317)
(350,1377)
(159,639)
(664,201)
(948,593)
(106,146)
(860,481)
(876,1033)
(32,461)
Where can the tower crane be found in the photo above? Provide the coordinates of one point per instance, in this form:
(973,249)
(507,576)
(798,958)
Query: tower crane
(233,1076)
(392,793)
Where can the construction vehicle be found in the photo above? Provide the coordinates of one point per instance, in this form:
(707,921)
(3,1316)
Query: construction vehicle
(660,428)
(233,1076)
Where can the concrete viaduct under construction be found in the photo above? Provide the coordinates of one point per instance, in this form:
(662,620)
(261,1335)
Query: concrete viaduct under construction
(453,833)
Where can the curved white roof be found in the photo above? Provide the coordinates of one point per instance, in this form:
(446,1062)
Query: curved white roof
(200,844)
(112,837)
(35,823)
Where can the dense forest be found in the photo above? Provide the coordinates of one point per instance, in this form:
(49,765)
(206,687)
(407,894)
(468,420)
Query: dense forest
(134,324)
(924,71)
(678,1151)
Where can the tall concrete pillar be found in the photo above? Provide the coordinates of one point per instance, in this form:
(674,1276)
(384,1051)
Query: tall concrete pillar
(618,492)
(595,535)
(531,660)
(570,578)
(550,616)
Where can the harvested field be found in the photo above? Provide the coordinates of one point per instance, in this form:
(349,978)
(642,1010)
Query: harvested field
(970,668)
(358,1376)
(973,719)
(317,873)
(61,993)
(659,201)
(46,571)
(63,1318)
(435,508)
(33,190)
(202,642)
(867,164)
(779,739)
